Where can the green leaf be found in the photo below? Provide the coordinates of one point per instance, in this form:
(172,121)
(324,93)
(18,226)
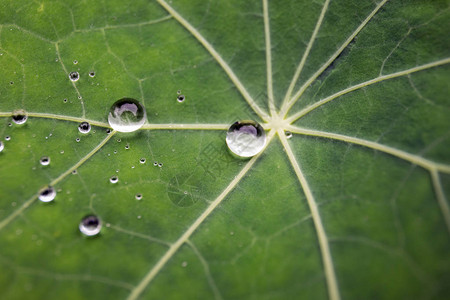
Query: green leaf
(352,206)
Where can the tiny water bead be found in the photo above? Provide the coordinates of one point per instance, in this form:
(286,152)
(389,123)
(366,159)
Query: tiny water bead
(48,194)
(45,160)
(90,225)
(246,138)
(138,196)
(19,116)
(114,179)
(7,138)
(74,76)
(108,131)
(2,146)
(84,127)
(288,134)
(91,74)
(78,140)
(142,160)
(127,115)
(75,62)
(181,98)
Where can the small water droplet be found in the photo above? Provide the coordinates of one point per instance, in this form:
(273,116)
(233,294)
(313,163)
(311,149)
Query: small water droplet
(19,116)
(11,82)
(84,127)
(155,163)
(65,100)
(288,134)
(74,172)
(127,115)
(127,146)
(91,74)
(114,179)
(2,146)
(184,264)
(7,138)
(181,98)
(74,76)
(246,138)
(45,160)
(139,217)
(115,151)
(179,92)
(160,165)
(78,140)
(119,140)
(108,131)
(62,151)
(142,160)
(138,196)
(9,124)
(75,62)
(90,225)
(48,194)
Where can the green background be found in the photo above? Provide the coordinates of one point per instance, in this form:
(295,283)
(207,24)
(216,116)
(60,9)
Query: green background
(386,220)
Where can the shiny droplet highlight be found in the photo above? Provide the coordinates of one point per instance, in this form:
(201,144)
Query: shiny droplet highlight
(246,138)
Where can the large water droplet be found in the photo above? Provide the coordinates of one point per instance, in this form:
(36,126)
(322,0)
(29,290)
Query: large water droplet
(90,225)
(45,160)
(48,194)
(84,127)
(246,138)
(74,76)
(19,116)
(127,115)
(2,146)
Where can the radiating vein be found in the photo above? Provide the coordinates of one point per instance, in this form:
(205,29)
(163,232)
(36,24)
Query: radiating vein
(268,58)
(187,126)
(137,291)
(306,53)
(288,104)
(333,290)
(217,57)
(442,201)
(415,159)
(310,108)
(30,201)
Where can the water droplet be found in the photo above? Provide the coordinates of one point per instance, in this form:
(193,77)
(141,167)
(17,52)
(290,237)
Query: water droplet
(114,179)
(184,264)
(74,76)
(48,194)
(74,172)
(75,62)
(19,116)
(139,217)
(9,124)
(45,160)
(78,140)
(127,115)
(181,98)
(108,131)
(138,196)
(142,160)
(90,225)
(288,134)
(7,138)
(127,146)
(2,146)
(84,127)
(246,138)
(179,92)
(160,165)
(91,74)
(62,151)
(119,140)
(115,151)
(155,163)
(65,100)
(11,82)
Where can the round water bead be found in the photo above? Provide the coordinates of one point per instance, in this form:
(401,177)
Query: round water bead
(2,146)
(114,179)
(181,98)
(45,160)
(48,194)
(138,196)
(84,127)
(91,74)
(142,160)
(19,116)
(288,134)
(74,76)
(127,115)
(90,225)
(246,138)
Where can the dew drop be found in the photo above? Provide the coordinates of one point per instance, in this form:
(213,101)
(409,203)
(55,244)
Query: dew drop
(288,134)
(184,264)
(48,194)
(90,225)
(7,138)
(45,160)
(65,100)
(160,165)
(127,146)
(138,196)
(155,163)
(114,179)
(75,62)
(127,115)
(78,140)
(108,131)
(19,116)
(119,140)
(179,92)
(2,146)
(91,74)
(181,98)
(142,160)
(246,138)
(84,127)
(74,172)
(74,76)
